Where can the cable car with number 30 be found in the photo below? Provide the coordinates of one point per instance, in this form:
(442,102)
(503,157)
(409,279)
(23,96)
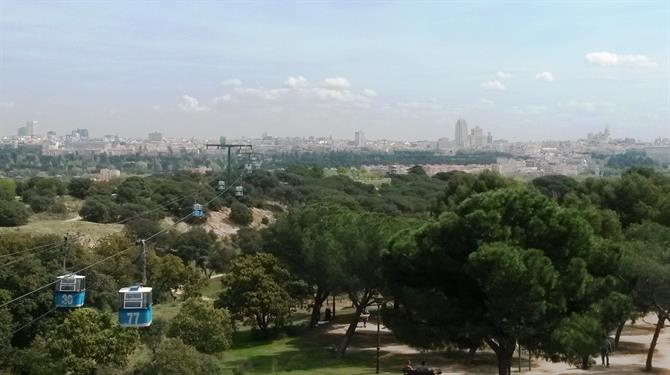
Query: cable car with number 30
(135,306)
(70,291)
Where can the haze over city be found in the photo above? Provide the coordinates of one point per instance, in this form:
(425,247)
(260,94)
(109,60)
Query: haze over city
(524,71)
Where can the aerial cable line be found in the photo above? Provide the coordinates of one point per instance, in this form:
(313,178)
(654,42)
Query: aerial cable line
(52,247)
(27,250)
(110,256)
(169,202)
(32,321)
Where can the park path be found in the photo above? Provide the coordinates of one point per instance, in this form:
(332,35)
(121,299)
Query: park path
(628,359)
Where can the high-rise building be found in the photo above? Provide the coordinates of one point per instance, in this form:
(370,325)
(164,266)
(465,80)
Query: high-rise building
(359,139)
(155,137)
(477,137)
(461,135)
(30,128)
(80,133)
(22,131)
(222,140)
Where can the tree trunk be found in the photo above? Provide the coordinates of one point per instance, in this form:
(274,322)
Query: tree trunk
(471,355)
(350,331)
(618,334)
(319,297)
(650,354)
(504,350)
(585,362)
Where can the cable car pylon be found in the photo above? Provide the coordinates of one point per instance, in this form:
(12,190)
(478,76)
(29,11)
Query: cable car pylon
(70,287)
(136,305)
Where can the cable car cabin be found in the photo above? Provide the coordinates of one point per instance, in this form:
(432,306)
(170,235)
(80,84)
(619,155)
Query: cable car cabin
(222,185)
(70,291)
(198,211)
(136,306)
(239,191)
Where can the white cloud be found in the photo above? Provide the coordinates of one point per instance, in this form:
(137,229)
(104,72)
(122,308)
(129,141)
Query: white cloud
(191,104)
(222,99)
(545,76)
(493,84)
(503,75)
(296,82)
(370,93)
(337,83)
(486,101)
(232,82)
(265,94)
(613,59)
(156,108)
(7,105)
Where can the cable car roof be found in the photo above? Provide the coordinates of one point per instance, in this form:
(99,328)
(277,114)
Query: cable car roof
(135,289)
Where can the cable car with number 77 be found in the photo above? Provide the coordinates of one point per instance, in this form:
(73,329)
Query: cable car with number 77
(135,306)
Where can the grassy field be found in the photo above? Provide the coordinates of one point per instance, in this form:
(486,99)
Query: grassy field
(42,225)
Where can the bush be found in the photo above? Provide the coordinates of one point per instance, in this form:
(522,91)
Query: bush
(78,187)
(39,203)
(99,210)
(13,214)
(240,214)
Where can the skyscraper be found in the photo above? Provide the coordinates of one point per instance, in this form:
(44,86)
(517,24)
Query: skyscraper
(30,128)
(359,139)
(155,137)
(461,133)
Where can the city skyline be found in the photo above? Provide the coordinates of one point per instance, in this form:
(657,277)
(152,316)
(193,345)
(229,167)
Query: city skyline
(391,70)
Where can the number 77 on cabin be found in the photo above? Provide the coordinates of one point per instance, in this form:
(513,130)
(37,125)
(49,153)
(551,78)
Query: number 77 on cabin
(136,306)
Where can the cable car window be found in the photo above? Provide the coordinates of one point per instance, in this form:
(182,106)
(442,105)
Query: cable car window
(67,284)
(133,296)
(132,304)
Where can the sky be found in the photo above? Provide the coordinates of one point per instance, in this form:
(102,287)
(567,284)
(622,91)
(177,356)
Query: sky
(532,70)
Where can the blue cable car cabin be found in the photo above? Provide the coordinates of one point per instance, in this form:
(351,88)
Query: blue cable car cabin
(70,291)
(239,191)
(198,211)
(136,306)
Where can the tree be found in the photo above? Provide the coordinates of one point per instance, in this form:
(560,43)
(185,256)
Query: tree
(195,246)
(258,287)
(300,240)
(7,189)
(249,241)
(12,214)
(173,357)
(153,337)
(99,209)
(78,187)
(199,324)
(142,228)
(647,266)
(504,266)
(89,338)
(240,214)
(168,274)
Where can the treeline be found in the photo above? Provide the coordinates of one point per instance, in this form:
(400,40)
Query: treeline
(28,161)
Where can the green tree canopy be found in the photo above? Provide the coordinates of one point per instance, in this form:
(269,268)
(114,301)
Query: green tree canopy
(505,265)
(201,325)
(258,287)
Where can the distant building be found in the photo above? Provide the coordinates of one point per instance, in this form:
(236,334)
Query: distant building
(477,137)
(30,128)
(107,174)
(222,140)
(359,139)
(22,131)
(156,137)
(80,133)
(461,135)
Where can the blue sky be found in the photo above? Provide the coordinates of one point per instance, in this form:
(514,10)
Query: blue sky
(522,70)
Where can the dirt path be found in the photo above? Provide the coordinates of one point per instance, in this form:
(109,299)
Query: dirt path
(629,358)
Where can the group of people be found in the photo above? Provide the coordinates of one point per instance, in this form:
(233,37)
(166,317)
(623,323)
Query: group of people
(421,369)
